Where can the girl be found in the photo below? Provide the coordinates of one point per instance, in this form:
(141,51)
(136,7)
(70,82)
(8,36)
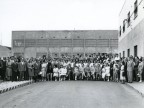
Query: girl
(107,69)
(43,70)
(55,71)
(103,72)
(76,72)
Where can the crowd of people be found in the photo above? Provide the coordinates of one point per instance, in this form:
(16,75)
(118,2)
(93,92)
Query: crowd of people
(93,67)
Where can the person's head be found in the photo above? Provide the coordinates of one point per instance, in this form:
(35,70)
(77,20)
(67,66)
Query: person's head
(122,63)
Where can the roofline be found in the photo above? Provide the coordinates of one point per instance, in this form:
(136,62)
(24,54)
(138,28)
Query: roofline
(57,30)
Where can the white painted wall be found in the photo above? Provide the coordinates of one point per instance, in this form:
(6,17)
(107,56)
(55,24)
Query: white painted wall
(129,6)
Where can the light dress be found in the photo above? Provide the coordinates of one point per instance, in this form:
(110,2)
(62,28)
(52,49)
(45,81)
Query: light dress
(55,71)
(43,70)
(107,68)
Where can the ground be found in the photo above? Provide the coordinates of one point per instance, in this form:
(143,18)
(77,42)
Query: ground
(72,94)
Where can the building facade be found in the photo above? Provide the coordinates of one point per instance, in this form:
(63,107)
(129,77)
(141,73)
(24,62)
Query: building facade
(131,29)
(60,42)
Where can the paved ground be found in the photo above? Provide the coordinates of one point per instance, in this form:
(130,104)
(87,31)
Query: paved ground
(139,87)
(71,94)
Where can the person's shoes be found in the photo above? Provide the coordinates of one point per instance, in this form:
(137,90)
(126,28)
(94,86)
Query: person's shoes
(140,81)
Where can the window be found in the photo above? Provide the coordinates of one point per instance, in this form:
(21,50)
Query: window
(123,53)
(128,20)
(135,9)
(123,26)
(128,53)
(120,31)
(135,51)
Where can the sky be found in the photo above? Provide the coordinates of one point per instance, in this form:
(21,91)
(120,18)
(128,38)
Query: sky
(57,15)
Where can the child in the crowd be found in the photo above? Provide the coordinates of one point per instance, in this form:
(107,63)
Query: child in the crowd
(55,72)
(107,69)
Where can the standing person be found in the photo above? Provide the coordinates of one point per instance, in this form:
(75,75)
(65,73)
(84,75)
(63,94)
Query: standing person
(55,72)
(4,69)
(136,64)
(111,70)
(49,71)
(9,70)
(81,71)
(37,68)
(87,71)
(21,69)
(43,70)
(130,68)
(76,73)
(99,68)
(140,69)
(107,69)
(115,72)
(30,69)
(69,71)
(63,72)
(92,70)
(14,70)
(1,69)
(122,72)
(125,69)
(103,72)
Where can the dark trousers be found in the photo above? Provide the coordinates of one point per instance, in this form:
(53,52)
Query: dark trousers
(2,74)
(21,75)
(135,76)
(14,76)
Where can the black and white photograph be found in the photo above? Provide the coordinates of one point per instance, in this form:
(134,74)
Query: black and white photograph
(71,53)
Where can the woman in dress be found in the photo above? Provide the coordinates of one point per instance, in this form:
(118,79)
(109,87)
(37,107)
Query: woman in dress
(107,69)
(43,70)
(9,69)
(103,72)
(76,72)
(122,73)
(30,70)
(115,72)
(63,72)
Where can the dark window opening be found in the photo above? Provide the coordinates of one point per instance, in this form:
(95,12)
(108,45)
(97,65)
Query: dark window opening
(135,51)
(128,20)
(120,31)
(135,9)
(123,26)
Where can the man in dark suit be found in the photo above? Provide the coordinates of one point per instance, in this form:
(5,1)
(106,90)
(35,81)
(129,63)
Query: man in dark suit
(37,69)
(14,70)
(21,69)
(1,68)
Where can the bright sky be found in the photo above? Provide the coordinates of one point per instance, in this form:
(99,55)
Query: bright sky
(57,15)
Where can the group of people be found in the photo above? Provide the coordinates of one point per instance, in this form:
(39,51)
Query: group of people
(99,67)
